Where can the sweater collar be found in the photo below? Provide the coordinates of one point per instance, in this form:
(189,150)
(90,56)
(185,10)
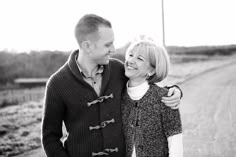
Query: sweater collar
(82,70)
(72,64)
(76,72)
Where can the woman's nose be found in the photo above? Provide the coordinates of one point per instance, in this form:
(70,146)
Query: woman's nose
(131,60)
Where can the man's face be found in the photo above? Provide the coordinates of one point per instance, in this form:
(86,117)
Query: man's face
(103,47)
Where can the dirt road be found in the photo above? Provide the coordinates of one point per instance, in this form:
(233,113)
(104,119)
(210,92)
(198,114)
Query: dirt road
(209,114)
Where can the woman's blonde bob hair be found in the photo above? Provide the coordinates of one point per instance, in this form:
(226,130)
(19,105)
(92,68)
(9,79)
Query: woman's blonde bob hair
(157,56)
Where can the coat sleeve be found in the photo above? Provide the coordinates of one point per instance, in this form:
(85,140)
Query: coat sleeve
(53,113)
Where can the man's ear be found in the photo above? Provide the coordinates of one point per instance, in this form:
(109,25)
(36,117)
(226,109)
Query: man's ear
(86,46)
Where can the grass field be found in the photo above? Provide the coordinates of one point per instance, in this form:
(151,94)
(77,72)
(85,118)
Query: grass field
(17,96)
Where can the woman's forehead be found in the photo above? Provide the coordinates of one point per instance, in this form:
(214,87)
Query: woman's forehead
(140,49)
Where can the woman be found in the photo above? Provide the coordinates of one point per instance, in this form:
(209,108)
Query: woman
(151,128)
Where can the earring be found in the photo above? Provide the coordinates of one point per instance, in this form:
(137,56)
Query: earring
(147,76)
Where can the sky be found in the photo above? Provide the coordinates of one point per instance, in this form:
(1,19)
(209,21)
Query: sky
(49,24)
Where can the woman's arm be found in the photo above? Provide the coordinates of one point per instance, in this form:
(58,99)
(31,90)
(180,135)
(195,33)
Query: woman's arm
(175,145)
(172,127)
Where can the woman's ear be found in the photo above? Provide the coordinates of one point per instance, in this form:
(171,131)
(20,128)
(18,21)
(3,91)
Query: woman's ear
(152,72)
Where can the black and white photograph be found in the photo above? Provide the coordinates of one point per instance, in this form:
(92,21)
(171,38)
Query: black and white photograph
(127,78)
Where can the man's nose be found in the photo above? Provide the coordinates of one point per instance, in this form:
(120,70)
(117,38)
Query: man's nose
(112,49)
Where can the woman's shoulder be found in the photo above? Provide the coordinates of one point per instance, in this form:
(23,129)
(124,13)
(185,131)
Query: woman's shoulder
(157,90)
(155,94)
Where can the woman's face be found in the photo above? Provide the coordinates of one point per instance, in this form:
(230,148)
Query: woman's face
(137,65)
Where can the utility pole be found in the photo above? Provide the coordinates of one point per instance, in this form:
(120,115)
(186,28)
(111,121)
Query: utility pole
(163,23)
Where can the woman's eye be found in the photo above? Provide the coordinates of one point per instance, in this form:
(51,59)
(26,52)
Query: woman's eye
(141,59)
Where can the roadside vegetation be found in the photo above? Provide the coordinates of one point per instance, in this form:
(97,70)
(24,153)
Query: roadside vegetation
(41,64)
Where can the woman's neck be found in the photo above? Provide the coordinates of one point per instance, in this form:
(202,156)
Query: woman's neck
(137,92)
(134,83)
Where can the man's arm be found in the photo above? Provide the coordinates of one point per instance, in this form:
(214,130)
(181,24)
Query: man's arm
(173,97)
(52,125)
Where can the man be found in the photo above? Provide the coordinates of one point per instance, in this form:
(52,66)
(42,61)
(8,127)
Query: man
(85,94)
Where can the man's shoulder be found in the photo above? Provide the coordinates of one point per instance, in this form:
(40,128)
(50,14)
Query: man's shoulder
(116,61)
(116,64)
(117,69)
(58,75)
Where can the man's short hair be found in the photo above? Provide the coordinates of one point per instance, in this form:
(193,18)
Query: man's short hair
(89,25)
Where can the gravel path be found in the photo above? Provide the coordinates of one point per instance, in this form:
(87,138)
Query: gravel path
(209,114)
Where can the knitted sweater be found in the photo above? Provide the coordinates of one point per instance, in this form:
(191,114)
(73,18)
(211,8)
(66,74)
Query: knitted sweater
(148,123)
(93,123)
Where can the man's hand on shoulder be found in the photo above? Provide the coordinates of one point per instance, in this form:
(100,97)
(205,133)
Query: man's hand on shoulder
(173,97)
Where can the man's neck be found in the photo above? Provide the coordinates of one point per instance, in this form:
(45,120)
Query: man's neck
(88,66)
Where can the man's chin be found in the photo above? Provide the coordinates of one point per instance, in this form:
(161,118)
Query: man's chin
(105,62)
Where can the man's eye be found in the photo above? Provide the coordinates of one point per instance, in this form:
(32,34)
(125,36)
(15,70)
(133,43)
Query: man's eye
(108,45)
